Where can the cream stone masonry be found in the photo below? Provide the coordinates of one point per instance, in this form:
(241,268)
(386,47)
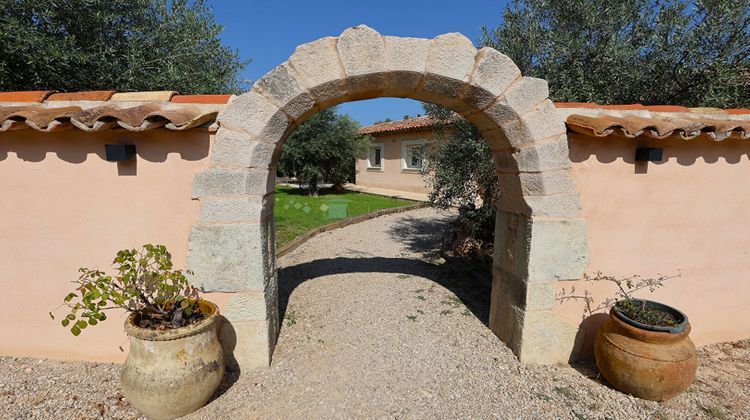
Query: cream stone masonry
(541,237)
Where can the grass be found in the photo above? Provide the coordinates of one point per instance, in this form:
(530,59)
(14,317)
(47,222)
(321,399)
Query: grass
(291,318)
(296,213)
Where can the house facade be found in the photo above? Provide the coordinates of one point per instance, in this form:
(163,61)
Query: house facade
(394,158)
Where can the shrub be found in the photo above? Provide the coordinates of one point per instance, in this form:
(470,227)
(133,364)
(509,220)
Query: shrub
(623,299)
(144,282)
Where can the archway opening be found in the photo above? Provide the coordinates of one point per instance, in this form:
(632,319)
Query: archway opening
(540,237)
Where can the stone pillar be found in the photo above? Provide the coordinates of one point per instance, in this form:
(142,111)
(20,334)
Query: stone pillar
(531,254)
(231,248)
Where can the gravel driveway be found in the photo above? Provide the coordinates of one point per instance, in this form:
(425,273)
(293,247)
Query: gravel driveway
(376,326)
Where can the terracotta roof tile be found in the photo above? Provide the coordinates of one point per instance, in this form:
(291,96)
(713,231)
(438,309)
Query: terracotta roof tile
(623,107)
(659,127)
(411,124)
(707,110)
(26,96)
(151,96)
(91,95)
(201,99)
(575,105)
(138,118)
(667,108)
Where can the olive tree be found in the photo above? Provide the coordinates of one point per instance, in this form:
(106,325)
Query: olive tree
(679,52)
(125,45)
(323,149)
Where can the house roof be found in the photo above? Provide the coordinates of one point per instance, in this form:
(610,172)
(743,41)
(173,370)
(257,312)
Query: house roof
(400,126)
(103,110)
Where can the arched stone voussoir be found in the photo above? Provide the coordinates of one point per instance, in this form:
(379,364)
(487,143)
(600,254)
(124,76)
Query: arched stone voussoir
(493,74)
(239,149)
(256,115)
(496,139)
(450,63)
(549,156)
(508,110)
(361,50)
(282,86)
(536,126)
(406,61)
(320,71)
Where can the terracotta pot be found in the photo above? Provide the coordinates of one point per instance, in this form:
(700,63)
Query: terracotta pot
(654,365)
(171,373)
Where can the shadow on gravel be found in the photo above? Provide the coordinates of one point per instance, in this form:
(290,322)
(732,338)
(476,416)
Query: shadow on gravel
(422,235)
(474,295)
(231,376)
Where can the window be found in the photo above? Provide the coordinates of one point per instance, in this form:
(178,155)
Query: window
(412,155)
(375,157)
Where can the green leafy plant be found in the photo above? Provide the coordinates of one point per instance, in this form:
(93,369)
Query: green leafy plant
(124,45)
(323,149)
(623,299)
(679,52)
(144,282)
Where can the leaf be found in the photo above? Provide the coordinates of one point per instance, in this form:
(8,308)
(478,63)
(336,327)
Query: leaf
(93,321)
(81,324)
(65,322)
(75,331)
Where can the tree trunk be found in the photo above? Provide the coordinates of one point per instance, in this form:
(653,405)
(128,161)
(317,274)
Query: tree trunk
(312,189)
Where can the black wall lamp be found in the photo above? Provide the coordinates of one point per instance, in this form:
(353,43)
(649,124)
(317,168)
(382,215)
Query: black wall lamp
(119,152)
(648,154)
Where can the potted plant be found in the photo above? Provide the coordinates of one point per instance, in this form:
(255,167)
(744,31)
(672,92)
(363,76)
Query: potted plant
(175,362)
(643,348)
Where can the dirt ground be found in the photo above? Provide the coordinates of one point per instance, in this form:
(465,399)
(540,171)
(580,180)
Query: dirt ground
(376,325)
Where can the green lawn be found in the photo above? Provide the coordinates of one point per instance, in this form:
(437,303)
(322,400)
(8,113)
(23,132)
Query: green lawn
(296,212)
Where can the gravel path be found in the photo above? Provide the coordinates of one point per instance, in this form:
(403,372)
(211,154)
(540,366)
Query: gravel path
(375,326)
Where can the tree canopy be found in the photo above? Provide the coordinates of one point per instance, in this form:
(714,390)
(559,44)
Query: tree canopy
(323,149)
(677,52)
(460,172)
(125,45)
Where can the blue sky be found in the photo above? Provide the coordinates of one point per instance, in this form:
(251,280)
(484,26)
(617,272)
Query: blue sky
(268,31)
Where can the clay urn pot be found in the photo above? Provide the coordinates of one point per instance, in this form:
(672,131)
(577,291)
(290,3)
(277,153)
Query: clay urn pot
(171,373)
(649,362)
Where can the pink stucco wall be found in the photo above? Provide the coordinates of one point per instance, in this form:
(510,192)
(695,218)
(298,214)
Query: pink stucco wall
(393,177)
(63,207)
(687,214)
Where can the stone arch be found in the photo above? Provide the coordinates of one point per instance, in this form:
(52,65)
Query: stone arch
(540,235)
